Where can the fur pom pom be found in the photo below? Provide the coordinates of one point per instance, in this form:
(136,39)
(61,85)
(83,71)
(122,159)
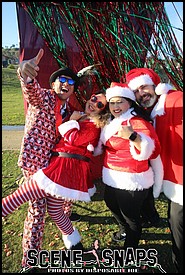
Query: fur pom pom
(90,148)
(163,88)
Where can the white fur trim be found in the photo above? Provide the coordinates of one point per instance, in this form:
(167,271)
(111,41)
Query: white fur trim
(173,191)
(73,239)
(157,167)
(147,148)
(163,88)
(60,191)
(119,91)
(138,81)
(158,109)
(128,181)
(92,191)
(66,126)
(112,128)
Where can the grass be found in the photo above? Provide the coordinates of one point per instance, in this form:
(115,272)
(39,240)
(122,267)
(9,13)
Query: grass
(12,99)
(97,221)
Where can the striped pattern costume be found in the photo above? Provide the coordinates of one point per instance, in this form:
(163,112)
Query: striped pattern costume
(41,134)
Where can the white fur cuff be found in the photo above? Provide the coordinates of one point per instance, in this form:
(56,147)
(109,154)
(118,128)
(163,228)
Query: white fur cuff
(157,168)
(73,239)
(147,148)
(66,126)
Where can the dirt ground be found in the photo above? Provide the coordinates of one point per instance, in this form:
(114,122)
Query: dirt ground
(11,140)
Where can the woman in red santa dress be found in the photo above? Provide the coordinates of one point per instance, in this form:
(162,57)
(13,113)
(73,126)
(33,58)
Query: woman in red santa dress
(132,163)
(68,175)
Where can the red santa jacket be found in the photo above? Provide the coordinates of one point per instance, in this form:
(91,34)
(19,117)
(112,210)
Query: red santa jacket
(168,115)
(124,166)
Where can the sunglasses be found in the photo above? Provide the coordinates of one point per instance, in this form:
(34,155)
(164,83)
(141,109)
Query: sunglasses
(63,79)
(94,99)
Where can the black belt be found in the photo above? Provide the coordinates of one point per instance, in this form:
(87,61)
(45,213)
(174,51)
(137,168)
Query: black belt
(68,155)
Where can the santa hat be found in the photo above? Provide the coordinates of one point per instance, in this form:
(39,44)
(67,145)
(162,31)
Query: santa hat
(119,89)
(145,76)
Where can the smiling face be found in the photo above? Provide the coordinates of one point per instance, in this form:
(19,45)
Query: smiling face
(146,96)
(118,105)
(62,87)
(95,104)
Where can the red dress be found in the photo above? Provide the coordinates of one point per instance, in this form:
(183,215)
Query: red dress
(71,178)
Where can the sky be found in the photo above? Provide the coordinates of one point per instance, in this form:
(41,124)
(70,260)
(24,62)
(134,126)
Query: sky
(10,27)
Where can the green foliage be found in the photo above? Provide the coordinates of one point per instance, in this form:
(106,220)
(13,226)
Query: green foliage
(11,52)
(12,98)
(11,66)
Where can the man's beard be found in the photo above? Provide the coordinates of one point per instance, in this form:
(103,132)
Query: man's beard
(148,103)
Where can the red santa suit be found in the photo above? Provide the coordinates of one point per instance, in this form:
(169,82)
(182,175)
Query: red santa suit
(71,178)
(168,115)
(124,166)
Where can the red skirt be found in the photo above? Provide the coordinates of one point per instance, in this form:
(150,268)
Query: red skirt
(67,178)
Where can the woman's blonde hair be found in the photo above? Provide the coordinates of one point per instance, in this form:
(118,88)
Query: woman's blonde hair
(101,119)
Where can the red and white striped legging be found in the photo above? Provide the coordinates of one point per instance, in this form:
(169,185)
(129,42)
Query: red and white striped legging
(30,191)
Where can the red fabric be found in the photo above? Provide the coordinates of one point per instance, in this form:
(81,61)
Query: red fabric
(30,43)
(115,84)
(118,155)
(169,130)
(97,166)
(69,172)
(134,73)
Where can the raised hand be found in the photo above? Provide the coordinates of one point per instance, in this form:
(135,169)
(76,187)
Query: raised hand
(125,130)
(76,115)
(29,68)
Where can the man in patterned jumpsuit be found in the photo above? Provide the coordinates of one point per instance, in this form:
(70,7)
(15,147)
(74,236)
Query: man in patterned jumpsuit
(46,110)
